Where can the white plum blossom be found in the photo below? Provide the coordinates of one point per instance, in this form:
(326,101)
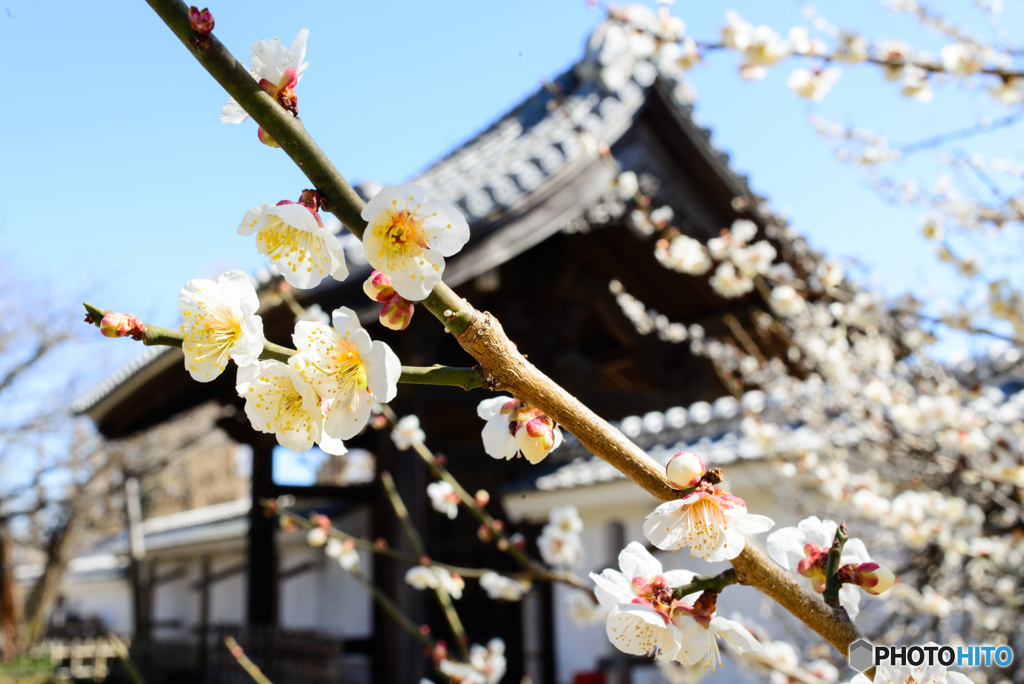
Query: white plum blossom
(812,84)
(730,284)
(275,67)
(407,432)
(443,498)
(347,369)
(737,32)
(293,237)
(803,43)
(559,548)
(852,49)
(408,239)
(961,59)
(786,302)
(627,185)
(515,427)
(754,260)
(280,402)
(765,47)
(700,641)
(683,55)
(685,255)
(566,518)
(219,322)
(344,552)
(485,666)
(915,84)
(804,549)
(896,53)
(502,588)
(583,610)
(435,577)
(743,230)
(644,626)
(713,523)
(831,273)
(1008,90)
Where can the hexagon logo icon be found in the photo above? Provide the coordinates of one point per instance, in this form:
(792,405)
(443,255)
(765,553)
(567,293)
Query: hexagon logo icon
(861,654)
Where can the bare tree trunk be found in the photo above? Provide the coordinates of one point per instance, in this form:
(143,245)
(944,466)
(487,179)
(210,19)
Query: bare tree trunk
(47,587)
(10,609)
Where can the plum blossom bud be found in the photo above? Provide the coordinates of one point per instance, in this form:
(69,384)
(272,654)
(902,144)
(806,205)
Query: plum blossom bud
(482,498)
(265,138)
(396,312)
(685,470)
(871,577)
(122,325)
(201,21)
(537,439)
(316,537)
(515,427)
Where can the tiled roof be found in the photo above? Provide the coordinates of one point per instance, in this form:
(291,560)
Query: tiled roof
(711,430)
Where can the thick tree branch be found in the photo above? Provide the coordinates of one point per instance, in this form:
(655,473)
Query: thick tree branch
(481,335)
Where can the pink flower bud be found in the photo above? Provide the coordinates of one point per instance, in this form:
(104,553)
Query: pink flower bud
(266,139)
(536,438)
(397,313)
(482,498)
(201,21)
(122,325)
(378,287)
(684,470)
(871,577)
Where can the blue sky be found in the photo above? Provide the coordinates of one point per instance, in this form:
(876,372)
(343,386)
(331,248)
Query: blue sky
(119,182)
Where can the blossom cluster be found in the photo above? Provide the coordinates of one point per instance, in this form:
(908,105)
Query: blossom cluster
(559,542)
(647,618)
(515,428)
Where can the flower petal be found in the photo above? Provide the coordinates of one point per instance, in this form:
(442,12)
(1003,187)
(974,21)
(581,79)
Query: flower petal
(383,373)
(232,112)
(637,561)
(786,546)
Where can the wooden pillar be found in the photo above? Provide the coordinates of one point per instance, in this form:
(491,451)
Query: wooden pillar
(262,604)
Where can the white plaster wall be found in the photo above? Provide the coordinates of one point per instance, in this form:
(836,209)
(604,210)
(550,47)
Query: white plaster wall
(228,596)
(109,599)
(345,608)
(299,594)
(326,598)
(176,599)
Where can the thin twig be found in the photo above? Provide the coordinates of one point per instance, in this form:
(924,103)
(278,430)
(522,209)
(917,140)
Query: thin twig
(250,667)
(443,598)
